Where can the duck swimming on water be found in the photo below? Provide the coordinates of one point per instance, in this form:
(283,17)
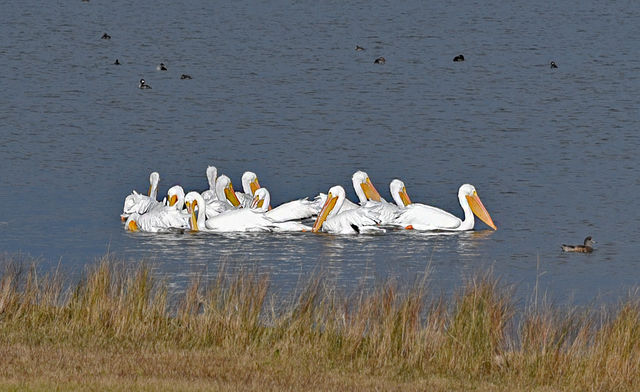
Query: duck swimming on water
(380,60)
(586,248)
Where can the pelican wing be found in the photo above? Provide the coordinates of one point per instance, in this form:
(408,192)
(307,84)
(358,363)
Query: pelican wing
(209,195)
(216,207)
(294,210)
(290,226)
(245,199)
(161,220)
(424,217)
(138,203)
(239,220)
(387,212)
(353,221)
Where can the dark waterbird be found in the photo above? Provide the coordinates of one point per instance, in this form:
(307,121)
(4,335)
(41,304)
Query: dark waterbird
(117,62)
(586,248)
(143,84)
(105,36)
(380,60)
(553,65)
(185,76)
(458,58)
(359,48)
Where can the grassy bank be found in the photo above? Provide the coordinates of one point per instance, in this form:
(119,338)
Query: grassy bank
(119,329)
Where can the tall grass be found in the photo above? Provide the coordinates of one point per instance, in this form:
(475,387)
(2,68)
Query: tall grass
(477,335)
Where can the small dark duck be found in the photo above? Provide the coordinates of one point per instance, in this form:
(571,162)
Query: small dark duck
(143,84)
(105,36)
(185,76)
(586,248)
(553,65)
(359,48)
(380,60)
(117,62)
(458,58)
(161,67)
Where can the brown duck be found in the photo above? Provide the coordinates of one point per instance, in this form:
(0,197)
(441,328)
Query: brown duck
(586,248)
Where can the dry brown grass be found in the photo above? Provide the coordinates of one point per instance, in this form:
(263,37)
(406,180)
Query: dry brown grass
(119,329)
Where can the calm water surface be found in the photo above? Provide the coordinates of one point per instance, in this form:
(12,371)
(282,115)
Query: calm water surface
(278,89)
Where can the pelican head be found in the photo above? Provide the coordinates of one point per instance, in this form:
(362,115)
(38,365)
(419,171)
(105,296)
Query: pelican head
(212,174)
(335,199)
(193,200)
(224,190)
(154,179)
(261,200)
(468,192)
(399,193)
(364,188)
(250,183)
(175,197)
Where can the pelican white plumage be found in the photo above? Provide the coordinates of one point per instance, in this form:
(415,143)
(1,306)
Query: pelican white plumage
(249,185)
(212,175)
(136,202)
(226,198)
(286,216)
(370,198)
(332,219)
(235,220)
(399,193)
(423,217)
(364,187)
(289,211)
(161,218)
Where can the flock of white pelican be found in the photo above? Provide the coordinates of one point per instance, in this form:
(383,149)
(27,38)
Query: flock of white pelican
(221,209)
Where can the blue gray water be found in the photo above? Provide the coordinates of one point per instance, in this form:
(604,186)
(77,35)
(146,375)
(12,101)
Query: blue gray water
(278,89)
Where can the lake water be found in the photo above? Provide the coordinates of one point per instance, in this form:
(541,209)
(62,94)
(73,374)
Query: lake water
(278,89)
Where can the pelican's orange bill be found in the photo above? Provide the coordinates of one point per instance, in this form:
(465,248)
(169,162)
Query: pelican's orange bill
(133,226)
(478,209)
(254,185)
(231,195)
(191,209)
(326,209)
(370,191)
(173,200)
(404,196)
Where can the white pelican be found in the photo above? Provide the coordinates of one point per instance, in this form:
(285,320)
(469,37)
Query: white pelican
(364,188)
(244,219)
(249,185)
(161,218)
(332,220)
(212,175)
(286,216)
(225,198)
(289,211)
(423,217)
(136,202)
(370,198)
(399,193)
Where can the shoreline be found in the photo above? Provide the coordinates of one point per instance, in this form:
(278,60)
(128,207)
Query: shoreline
(119,327)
